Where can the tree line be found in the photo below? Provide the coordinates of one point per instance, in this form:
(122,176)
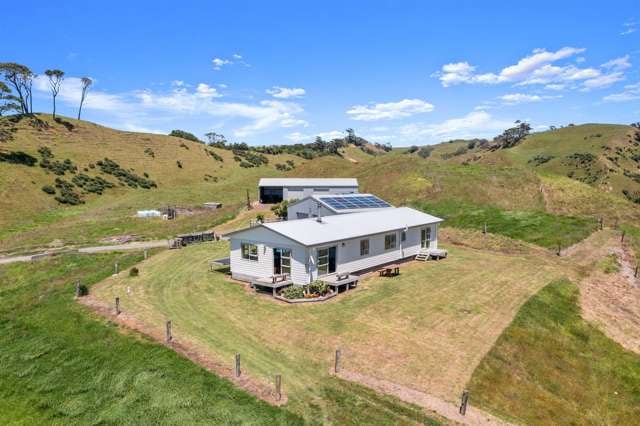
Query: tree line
(16,89)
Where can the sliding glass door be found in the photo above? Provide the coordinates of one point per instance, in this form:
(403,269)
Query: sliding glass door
(326,261)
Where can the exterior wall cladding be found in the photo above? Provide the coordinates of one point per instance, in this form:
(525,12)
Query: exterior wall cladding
(298,192)
(304,260)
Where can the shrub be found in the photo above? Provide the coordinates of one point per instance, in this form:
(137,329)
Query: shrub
(184,135)
(540,159)
(179,164)
(49,189)
(18,157)
(95,185)
(293,292)
(425,152)
(125,177)
(134,272)
(260,218)
(282,209)
(83,290)
(412,149)
(318,287)
(67,194)
(150,152)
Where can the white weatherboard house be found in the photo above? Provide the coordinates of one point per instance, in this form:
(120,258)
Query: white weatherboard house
(308,249)
(331,204)
(274,190)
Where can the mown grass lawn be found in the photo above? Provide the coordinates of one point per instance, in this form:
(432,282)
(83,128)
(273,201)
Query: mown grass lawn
(426,329)
(61,365)
(537,227)
(552,367)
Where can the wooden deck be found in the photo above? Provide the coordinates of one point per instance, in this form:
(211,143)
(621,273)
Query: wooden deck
(332,281)
(268,283)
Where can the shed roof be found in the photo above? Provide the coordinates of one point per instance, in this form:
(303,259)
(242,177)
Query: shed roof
(315,182)
(310,232)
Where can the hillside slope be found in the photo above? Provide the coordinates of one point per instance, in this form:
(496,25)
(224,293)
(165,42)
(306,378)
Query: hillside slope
(183,173)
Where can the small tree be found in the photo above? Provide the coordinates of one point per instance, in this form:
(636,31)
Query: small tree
(55,81)
(281,209)
(86,83)
(215,139)
(8,102)
(20,77)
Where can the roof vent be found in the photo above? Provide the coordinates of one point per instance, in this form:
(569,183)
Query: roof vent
(319,218)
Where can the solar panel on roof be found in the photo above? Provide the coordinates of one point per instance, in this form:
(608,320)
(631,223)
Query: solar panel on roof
(353,202)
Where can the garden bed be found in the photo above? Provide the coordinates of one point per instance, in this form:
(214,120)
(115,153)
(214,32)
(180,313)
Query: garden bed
(308,299)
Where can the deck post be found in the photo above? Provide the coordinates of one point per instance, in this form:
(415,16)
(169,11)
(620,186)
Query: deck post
(237,371)
(278,387)
(622,237)
(117,306)
(168,335)
(464,401)
(336,367)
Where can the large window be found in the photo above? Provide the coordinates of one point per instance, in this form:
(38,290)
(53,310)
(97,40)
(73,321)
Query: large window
(249,251)
(281,261)
(425,237)
(389,241)
(364,247)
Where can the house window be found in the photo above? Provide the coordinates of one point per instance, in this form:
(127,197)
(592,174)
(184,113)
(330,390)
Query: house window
(301,215)
(320,189)
(389,241)
(364,247)
(403,236)
(249,251)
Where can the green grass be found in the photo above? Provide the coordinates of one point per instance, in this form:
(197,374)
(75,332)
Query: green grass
(610,264)
(405,329)
(552,367)
(62,366)
(543,229)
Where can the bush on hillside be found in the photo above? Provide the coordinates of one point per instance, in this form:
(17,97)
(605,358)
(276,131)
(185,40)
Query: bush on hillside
(540,159)
(134,272)
(129,178)
(49,189)
(94,185)
(67,194)
(425,152)
(18,157)
(184,135)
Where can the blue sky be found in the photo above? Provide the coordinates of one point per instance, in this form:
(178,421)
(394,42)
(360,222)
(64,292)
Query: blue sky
(404,72)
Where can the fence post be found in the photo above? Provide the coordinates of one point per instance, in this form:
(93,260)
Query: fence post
(601,220)
(559,249)
(169,337)
(484,229)
(337,365)
(117,306)
(622,237)
(278,387)
(115,267)
(146,254)
(237,365)
(77,288)
(635,274)
(464,401)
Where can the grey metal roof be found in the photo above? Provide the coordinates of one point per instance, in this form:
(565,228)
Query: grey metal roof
(312,182)
(310,232)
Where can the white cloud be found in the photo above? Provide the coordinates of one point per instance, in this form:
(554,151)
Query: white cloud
(631,92)
(521,98)
(147,106)
(205,91)
(463,72)
(475,124)
(236,56)
(177,83)
(629,27)
(540,68)
(285,92)
(298,137)
(389,110)
(218,63)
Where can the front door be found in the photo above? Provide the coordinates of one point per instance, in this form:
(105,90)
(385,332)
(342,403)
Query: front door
(425,238)
(326,260)
(281,261)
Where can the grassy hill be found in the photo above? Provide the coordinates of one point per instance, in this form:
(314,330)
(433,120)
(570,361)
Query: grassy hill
(587,169)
